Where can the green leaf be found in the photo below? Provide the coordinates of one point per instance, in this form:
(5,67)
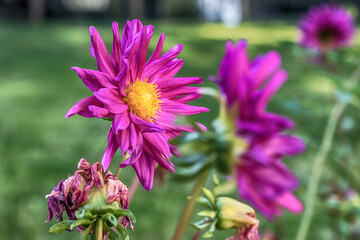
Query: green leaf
(112,234)
(61,226)
(83,213)
(205,202)
(216,180)
(202,224)
(209,195)
(210,214)
(81,222)
(208,234)
(124,213)
(123,232)
(108,119)
(110,219)
(85,234)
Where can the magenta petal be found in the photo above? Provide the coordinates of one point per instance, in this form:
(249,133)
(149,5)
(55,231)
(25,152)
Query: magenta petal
(157,52)
(264,68)
(110,151)
(146,126)
(99,50)
(94,80)
(135,139)
(99,112)
(169,71)
(290,203)
(144,168)
(82,107)
(180,91)
(164,63)
(284,145)
(123,77)
(111,99)
(134,156)
(159,158)
(158,143)
(186,99)
(178,82)
(181,109)
(140,57)
(121,121)
(274,84)
(123,139)
(116,47)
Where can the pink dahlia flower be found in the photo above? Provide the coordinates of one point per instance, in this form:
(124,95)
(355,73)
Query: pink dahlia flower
(247,87)
(326,27)
(79,189)
(142,97)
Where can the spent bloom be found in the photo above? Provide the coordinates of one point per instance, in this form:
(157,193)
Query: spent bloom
(141,96)
(88,190)
(326,27)
(247,87)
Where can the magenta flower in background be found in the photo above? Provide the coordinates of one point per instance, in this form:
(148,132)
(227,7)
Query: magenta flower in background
(247,86)
(78,189)
(326,27)
(141,96)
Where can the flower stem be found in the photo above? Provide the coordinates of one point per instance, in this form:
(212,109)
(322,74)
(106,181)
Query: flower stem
(118,171)
(133,187)
(99,229)
(197,235)
(320,159)
(189,208)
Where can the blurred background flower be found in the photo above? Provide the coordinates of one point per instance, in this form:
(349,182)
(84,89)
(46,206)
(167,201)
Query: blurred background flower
(327,27)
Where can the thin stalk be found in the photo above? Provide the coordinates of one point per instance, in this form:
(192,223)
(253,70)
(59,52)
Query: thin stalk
(189,208)
(99,229)
(320,159)
(197,235)
(133,187)
(118,170)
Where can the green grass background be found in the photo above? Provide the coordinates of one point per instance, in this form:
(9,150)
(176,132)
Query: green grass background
(39,147)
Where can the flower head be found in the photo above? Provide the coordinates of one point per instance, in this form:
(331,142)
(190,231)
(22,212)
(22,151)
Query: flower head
(88,190)
(326,27)
(247,86)
(142,97)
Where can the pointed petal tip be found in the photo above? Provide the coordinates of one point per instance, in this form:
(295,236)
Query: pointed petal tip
(92,31)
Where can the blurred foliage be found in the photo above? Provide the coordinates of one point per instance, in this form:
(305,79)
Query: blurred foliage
(39,147)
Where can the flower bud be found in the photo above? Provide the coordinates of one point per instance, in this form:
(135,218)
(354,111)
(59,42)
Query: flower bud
(225,213)
(234,214)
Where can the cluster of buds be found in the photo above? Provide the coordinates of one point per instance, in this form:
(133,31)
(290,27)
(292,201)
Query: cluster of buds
(91,198)
(225,213)
(219,147)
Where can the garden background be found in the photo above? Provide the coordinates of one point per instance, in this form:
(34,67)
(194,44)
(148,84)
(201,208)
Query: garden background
(39,147)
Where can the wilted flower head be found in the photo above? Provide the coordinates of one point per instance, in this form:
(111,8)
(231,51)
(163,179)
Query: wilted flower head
(326,27)
(247,87)
(88,190)
(141,96)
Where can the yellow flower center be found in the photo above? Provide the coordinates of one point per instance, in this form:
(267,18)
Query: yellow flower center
(143,99)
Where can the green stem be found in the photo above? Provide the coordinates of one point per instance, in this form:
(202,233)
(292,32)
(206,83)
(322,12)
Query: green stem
(320,159)
(189,208)
(118,171)
(99,229)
